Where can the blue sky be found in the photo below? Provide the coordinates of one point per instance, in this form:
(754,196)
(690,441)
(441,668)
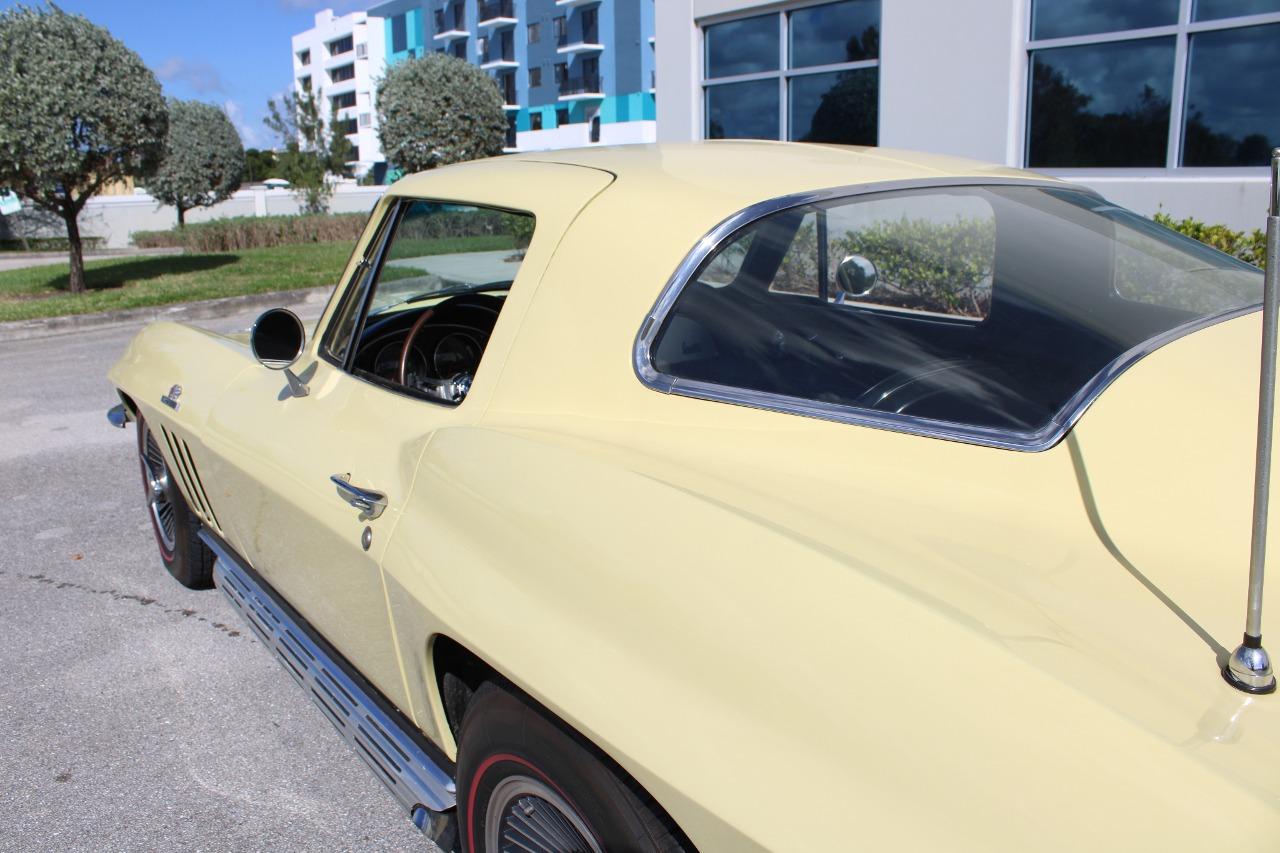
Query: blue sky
(234,53)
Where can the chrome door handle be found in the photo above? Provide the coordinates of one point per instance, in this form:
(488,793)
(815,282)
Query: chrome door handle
(371,504)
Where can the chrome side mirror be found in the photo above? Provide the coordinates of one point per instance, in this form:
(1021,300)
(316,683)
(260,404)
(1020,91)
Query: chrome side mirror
(277,338)
(856,276)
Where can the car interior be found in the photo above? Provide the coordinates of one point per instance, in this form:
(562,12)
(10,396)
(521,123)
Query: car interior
(1055,320)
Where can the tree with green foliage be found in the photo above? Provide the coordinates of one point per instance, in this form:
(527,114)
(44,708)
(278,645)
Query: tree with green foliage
(203,158)
(436,110)
(78,111)
(259,164)
(312,148)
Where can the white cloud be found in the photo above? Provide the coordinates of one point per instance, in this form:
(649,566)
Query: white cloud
(250,135)
(202,77)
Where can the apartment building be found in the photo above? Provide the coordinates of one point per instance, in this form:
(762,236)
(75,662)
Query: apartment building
(338,60)
(571,72)
(1159,105)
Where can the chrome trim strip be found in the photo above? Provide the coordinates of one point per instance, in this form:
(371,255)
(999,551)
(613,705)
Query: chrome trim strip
(1026,441)
(396,759)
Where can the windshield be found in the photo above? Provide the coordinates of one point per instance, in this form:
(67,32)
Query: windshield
(441,250)
(984,308)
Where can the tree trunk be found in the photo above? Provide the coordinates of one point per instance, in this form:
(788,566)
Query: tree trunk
(76,284)
(182,217)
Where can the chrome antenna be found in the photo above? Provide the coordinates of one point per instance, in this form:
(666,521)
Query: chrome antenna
(1249,668)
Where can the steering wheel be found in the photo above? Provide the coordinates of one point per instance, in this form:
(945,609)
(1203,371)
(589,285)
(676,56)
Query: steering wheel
(451,389)
(403,373)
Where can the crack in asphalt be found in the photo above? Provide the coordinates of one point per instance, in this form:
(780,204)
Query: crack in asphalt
(145,601)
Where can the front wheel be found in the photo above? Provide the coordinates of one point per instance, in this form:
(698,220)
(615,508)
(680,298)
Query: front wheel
(176,527)
(525,783)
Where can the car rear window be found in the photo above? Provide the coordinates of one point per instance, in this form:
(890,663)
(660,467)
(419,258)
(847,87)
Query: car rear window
(989,310)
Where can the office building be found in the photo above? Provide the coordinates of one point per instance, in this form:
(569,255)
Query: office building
(1159,105)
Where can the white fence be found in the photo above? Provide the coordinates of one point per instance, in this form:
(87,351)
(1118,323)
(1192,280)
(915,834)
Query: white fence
(114,218)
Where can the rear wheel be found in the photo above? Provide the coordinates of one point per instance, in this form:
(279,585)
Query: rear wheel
(527,784)
(176,528)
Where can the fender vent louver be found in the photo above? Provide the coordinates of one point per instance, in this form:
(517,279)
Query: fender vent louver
(185,467)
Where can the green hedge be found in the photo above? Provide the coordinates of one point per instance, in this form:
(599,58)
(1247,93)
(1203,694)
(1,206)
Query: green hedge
(1248,246)
(256,232)
(48,244)
(262,232)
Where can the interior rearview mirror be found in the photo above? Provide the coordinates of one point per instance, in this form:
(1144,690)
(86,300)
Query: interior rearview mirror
(856,276)
(277,338)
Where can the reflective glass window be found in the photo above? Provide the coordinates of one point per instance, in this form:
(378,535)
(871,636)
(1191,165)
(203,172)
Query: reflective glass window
(399,34)
(1210,10)
(836,32)
(839,107)
(1101,104)
(747,46)
(1051,19)
(987,307)
(1228,123)
(743,110)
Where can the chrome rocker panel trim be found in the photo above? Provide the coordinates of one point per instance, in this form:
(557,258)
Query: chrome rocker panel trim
(1030,441)
(397,758)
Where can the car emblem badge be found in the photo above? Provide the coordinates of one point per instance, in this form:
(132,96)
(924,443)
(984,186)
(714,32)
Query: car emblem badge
(171,399)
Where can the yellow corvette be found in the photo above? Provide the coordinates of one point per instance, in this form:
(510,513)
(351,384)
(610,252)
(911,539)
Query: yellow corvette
(747,496)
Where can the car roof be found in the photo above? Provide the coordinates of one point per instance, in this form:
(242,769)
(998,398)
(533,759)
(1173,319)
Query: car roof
(735,173)
(760,170)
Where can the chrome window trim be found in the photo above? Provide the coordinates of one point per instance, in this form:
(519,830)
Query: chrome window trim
(1026,441)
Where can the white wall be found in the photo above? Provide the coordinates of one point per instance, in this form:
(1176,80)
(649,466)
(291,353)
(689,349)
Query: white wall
(950,74)
(1237,201)
(628,132)
(677,59)
(115,218)
(564,136)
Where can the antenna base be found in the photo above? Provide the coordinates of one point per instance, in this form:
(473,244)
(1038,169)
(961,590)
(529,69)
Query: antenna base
(1249,668)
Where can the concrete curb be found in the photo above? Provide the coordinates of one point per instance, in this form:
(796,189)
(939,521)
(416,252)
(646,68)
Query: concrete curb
(208,309)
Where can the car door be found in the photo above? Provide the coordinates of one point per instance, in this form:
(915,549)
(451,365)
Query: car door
(296,468)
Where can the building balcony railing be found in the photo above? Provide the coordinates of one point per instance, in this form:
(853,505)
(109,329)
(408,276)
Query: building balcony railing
(499,59)
(581,87)
(497,13)
(588,40)
(568,3)
(453,25)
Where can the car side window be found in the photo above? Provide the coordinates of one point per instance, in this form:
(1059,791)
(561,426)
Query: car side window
(985,309)
(431,289)
(338,337)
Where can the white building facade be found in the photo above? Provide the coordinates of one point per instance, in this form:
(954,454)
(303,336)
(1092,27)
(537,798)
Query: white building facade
(340,60)
(1158,104)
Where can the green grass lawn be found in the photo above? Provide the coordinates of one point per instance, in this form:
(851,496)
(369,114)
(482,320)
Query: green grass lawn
(161,280)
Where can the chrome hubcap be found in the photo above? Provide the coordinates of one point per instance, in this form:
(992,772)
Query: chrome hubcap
(526,815)
(156,475)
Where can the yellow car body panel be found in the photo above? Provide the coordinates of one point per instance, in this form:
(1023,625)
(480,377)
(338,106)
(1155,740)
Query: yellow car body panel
(796,634)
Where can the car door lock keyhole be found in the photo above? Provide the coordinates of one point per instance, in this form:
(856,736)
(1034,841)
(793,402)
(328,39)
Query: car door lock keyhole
(366,538)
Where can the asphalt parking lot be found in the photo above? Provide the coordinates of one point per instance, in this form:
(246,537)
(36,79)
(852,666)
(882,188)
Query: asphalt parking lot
(135,714)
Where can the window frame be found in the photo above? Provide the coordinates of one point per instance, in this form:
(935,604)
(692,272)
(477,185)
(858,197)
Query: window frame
(1030,441)
(783,74)
(1182,31)
(358,295)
